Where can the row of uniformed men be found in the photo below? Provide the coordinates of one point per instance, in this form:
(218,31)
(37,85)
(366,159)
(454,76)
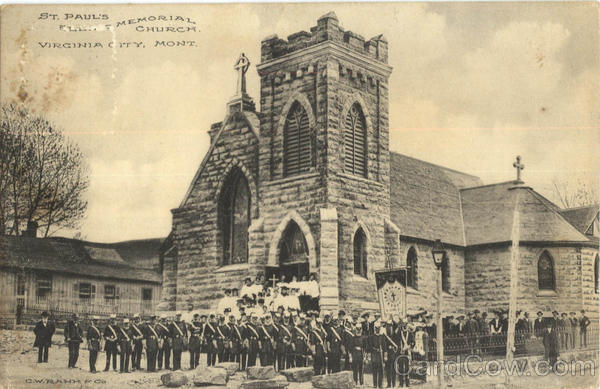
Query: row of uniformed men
(284,341)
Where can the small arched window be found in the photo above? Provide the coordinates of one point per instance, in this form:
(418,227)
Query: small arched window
(446,275)
(360,253)
(355,142)
(412,271)
(297,142)
(234,218)
(596,271)
(546,278)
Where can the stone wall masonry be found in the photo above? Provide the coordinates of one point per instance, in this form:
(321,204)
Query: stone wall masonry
(169,284)
(425,294)
(487,278)
(567,262)
(589,295)
(327,29)
(487,275)
(200,276)
(329,273)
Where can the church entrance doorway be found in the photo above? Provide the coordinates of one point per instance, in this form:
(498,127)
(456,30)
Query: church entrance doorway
(292,256)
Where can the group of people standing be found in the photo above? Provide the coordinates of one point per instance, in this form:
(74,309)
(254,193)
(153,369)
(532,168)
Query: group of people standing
(476,333)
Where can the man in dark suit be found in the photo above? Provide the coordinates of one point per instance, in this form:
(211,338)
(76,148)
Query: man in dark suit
(93,337)
(178,334)
(538,325)
(73,338)
(44,329)
(137,337)
(164,343)
(110,346)
(551,345)
(152,338)
(125,346)
(584,322)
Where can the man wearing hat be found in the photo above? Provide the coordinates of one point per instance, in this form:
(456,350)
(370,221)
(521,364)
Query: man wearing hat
(110,344)
(210,340)
(235,340)
(584,322)
(195,328)
(243,328)
(137,336)
(335,346)
(283,350)
(574,328)
(391,341)
(44,329)
(73,338)
(268,341)
(151,336)
(357,344)
(125,345)
(375,345)
(164,342)
(301,340)
(538,325)
(318,347)
(253,337)
(93,336)
(551,345)
(222,338)
(178,333)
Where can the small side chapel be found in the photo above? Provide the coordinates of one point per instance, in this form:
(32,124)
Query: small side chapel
(308,185)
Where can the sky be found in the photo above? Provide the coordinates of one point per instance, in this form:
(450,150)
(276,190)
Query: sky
(473,86)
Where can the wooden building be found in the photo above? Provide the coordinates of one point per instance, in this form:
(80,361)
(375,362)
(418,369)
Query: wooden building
(65,276)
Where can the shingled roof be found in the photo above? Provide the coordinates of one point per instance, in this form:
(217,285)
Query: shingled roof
(581,217)
(72,256)
(488,216)
(425,199)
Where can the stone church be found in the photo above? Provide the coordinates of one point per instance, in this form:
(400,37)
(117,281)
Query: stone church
(308,184)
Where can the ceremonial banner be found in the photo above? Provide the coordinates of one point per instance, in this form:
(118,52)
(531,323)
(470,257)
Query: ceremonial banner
(391,292)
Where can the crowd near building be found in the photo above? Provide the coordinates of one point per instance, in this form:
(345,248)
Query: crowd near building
(274,247)
(256,333)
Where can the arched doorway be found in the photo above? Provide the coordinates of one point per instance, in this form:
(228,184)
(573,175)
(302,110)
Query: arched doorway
(292,255)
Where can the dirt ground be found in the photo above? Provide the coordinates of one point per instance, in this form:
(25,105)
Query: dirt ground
(19,369)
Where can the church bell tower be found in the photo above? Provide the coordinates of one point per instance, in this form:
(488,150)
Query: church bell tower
(324,148)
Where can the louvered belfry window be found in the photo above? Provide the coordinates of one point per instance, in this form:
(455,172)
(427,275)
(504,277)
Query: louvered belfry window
(355,142)
(297,142)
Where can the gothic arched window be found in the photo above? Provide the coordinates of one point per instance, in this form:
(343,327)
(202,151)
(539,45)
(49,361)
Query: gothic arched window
(293,247)
(355,142)
(234,218)
(446,275)
(546,278)
(412,271)
(360,253)
(596,271)
(297,144)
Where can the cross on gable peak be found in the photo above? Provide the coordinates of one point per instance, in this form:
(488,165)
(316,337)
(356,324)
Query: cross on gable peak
(518,166)
(241,66)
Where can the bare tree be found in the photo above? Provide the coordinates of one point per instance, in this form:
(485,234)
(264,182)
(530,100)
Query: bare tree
(43,175)
(576,194)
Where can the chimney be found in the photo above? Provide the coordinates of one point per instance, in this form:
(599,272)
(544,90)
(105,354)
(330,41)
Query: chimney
(31,229)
